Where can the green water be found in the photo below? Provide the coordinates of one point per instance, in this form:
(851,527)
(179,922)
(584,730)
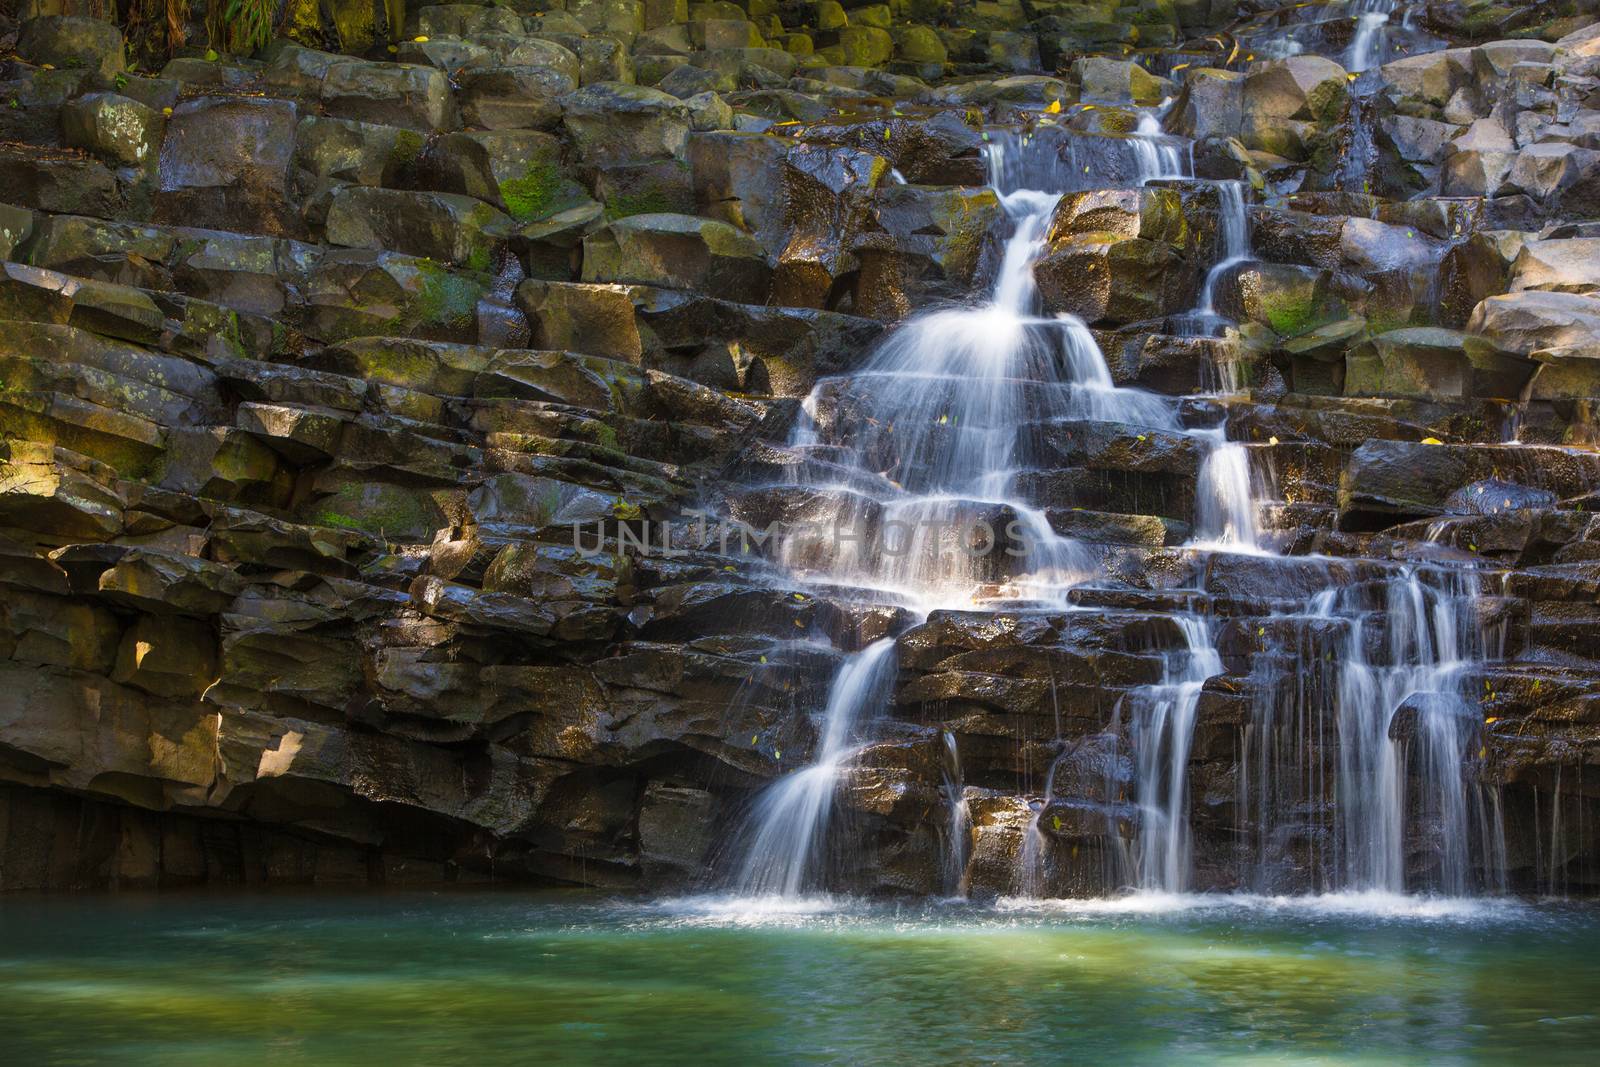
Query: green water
(522,978)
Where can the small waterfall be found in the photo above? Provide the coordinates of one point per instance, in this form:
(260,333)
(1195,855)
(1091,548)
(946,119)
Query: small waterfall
(1163,729)
(958,831)
(1366,46)
(1155,154)
(1225,498)
(1233,248)
(784,852)
(1377,698)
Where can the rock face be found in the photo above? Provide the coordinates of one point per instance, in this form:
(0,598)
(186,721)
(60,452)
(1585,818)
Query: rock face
(358,415)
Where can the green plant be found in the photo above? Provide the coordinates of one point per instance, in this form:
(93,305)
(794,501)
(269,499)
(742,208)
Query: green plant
(241,26)
(160,25)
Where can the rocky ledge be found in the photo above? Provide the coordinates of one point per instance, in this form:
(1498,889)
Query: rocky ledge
(313,357)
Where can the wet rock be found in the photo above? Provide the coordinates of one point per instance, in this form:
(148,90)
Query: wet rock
(676,831)
(225,163)
(392,94)
(678,252)
(66,41)
(513,98)
(441,226)
(112,126)
(612,123)
(1102,279)
(1392,478)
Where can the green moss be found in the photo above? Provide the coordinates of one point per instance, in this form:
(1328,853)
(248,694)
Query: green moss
(407,145)
(445,298)
(539,193)
(1290,313)
(644,202)
(386,510)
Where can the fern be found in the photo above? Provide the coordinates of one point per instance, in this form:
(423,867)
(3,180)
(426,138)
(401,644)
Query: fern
(241,26)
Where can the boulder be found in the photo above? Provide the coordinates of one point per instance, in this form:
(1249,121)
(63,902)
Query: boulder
(1430,363)
(513,98)
(441,226)
(678,252)
(89,44)
(1433,77)
(1211,105)
(518,171)
(1117,81)
(225,164)
(612,123)
(1304,87)
(363,153)
(1563,266)
(113,126)
(392,94)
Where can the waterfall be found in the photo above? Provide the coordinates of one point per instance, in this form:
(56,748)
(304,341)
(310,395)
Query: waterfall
(936,431)
(958,831)
(1164,727)
(1157,155)
(1379,678)
(1372,20)
(1225,498)
(783,855)
(1233,248)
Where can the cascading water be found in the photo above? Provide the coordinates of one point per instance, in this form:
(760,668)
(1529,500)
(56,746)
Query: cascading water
(1163,728)
(1379,687)
(928,438)
(784,853)
(936,431)
(1233,248)
(1366,45)
(958,831)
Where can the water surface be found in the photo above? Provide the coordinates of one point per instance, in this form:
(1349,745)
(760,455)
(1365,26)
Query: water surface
(461,978)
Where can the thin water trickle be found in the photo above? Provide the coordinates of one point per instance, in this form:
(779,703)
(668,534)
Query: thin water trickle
(1164,728)
(784,854)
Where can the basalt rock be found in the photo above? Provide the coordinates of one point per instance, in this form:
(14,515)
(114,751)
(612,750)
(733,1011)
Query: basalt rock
(368,417)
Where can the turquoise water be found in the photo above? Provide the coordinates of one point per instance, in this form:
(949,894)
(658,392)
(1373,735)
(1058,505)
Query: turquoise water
(559,979)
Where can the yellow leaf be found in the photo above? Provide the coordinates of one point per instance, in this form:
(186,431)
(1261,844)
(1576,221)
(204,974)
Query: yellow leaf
(1272,440)
(420,39)
(799,625)
(763,659)
(1490,719)
(1054,108)
(1432,441)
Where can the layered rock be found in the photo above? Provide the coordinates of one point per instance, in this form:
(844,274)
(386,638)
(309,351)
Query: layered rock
(357,416)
